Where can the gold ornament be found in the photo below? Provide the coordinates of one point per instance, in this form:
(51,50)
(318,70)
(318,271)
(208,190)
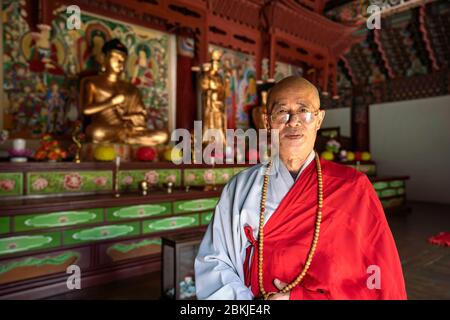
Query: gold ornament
(115,106)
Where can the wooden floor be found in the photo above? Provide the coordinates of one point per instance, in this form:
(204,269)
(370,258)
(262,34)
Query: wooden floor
(426,267)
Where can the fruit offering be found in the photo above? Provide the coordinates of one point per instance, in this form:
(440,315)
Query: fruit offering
(327,155)
(175,157)
(104,153)
(366,156)
(146,154)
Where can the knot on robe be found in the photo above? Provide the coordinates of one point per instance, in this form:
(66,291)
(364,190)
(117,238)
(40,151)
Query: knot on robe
(253,245)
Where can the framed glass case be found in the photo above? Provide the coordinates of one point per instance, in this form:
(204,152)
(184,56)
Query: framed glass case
(178,256)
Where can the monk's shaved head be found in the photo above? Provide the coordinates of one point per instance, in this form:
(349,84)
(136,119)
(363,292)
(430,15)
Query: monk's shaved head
(294,97)
(291,84)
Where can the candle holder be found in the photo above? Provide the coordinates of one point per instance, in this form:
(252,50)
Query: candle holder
(77,137)
(169,186)
(19,152)
(143,187)
(116,178)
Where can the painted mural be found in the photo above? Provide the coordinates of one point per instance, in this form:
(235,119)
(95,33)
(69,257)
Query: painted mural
(239,71)
(185,46)
(282,70)
(42,69)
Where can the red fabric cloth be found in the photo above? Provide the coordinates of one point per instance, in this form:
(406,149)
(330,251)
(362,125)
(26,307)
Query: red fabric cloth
(442,239)
(354,235)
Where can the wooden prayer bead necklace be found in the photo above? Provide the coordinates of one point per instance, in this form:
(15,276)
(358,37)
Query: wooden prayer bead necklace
(300,277)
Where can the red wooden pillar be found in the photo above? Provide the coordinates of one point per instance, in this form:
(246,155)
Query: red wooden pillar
(258,61)
(334,79)
(272,56)
(186,98)
(325,75)
(201,52)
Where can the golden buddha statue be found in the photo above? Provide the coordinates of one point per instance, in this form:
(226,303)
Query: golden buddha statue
(115,106)
(259,112)
(213,99)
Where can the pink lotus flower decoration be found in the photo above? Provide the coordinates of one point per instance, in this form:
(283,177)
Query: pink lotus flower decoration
(72,181)
(190,177)
(40,184)
(171,178)
(7,185)
(225,176)
(127,180)
(100,181)
(209,176)
(152,177)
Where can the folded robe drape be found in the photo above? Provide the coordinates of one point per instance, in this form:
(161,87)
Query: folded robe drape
(356,256)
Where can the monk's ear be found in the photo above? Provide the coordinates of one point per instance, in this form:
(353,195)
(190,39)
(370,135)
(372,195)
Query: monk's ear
(321,116)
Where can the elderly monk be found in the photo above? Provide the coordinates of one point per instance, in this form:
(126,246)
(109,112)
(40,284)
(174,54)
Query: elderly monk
(312,229)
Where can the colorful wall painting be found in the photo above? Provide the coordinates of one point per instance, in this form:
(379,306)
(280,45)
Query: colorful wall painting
(42,69)
(239,70)
(282,70)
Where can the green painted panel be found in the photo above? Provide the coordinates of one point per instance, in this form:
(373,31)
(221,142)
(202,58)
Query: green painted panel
(201,177)
(388,193)
(238,169)
(129,179)
(31,242)
(38,262)
(11,184)
(401,191)
(171,223)
(101,233)
(4,224)
(139,211)
(390,203)
(195,205)
(69,182)
(380,185)
(396,183)
(368,169)
(126,247)
(205,218)
(58,219)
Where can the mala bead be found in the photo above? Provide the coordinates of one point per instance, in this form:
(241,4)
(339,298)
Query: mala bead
(315,240)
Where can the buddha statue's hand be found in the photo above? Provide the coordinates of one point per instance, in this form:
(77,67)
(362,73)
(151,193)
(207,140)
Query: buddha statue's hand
(138,119)
(118,99)
(128,124)
(120,110)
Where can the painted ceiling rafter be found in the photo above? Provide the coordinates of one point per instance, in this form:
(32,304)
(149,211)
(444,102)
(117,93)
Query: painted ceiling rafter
(324,40)
(292,19)
(426,39)
(387,65)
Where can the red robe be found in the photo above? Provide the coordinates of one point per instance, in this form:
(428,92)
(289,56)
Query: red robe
(354,235)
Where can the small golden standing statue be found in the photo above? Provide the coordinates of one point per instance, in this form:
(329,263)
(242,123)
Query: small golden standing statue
(115,107)
(213,99)
(259,112)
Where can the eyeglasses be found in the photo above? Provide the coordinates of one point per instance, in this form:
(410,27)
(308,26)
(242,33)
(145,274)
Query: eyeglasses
(283,116)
